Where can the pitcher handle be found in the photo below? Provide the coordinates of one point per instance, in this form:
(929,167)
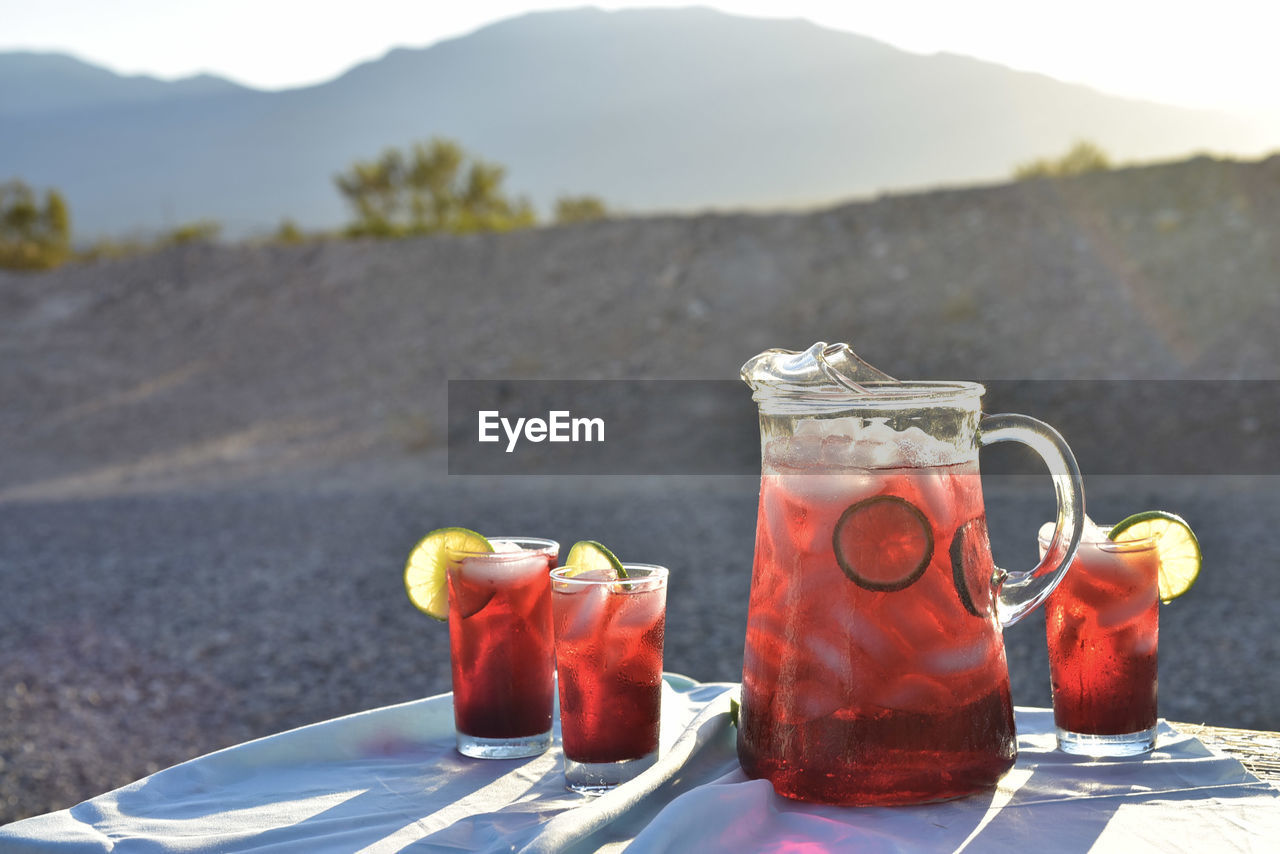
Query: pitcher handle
(1018,593)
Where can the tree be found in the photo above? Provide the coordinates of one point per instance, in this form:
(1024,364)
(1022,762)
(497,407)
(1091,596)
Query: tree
(33,237)
(435,187)
(288,233)
(198,231)
(57,220)
(570,209)
(1082,157)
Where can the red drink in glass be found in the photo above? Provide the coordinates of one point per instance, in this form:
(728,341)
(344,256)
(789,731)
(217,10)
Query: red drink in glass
(890,689)
(609,636)
(500,644)
(1102,628)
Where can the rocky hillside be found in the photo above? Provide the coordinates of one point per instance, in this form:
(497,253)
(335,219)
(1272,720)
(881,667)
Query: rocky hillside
(237,361)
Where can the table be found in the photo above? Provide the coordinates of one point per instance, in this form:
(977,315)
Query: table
(1257,751)
(389,780)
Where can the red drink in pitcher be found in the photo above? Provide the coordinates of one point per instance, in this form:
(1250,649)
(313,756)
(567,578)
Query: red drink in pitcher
(1102,627)
(874,670)
(500,643)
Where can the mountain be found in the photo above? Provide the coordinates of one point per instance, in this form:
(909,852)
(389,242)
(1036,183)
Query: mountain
(52,83)
(672,109)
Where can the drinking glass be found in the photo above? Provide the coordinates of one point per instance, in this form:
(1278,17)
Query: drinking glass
(501,649)
(1102,628)
(609,634)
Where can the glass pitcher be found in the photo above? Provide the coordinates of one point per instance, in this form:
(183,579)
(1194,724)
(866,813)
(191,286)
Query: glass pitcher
(874,669)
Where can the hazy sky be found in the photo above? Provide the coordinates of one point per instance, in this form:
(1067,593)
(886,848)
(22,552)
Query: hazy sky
(1197,54)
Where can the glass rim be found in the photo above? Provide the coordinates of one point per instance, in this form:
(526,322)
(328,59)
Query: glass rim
(527,546)
(1106,545)
(651,576)
(877,393)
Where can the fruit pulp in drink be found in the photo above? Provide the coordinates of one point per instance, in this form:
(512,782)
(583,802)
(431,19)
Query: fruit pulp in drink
(500,643)
(609,657)
(880,689)
(1102,627)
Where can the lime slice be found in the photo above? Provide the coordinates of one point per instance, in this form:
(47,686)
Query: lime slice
(587,555)
(883,543)
(970,546)
(424,573)
(1177,546)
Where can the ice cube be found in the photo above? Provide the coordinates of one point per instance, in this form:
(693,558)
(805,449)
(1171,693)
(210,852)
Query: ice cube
(914,692)
(811,699)
(504,546)
(1104,566)
(801,452)
(846,427)
(773,503)
(876,431)
(639,610)
(837,450)
(868,635)
(918,448)
(827,659)
(841,454)
(467,600)
(960,657)
(877,446)
(586,612)
(1044,535)
(1120,610)
(794,507)
(1092,533)
(499,570)
(940,495)
(759,666)
(1144,642)
(1083,593)
(921,624)
(809,428)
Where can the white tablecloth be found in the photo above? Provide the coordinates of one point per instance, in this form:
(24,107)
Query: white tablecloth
(390,780)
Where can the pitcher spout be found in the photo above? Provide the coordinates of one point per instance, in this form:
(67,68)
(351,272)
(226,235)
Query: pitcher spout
(821,368)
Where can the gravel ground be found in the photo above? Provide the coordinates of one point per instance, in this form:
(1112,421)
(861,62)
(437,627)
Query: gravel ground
(144,630)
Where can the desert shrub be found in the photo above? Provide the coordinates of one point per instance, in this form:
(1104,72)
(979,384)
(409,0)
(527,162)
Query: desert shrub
(33,236)
(288,233)
(1082,157)
(435,187)
(199,231)
(106,248)
(570,209)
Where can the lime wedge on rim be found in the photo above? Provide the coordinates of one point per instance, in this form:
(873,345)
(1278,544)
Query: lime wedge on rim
(587,555)
(424,572)
(1176,545)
